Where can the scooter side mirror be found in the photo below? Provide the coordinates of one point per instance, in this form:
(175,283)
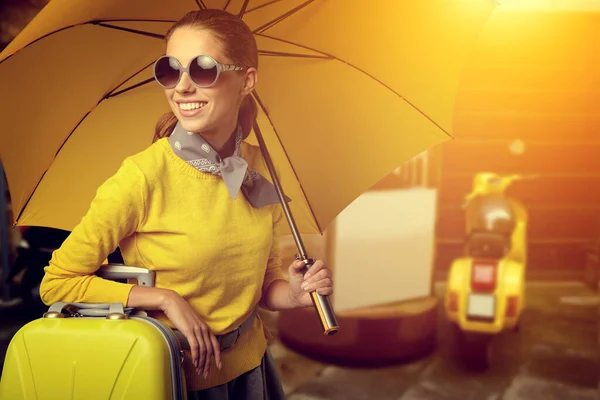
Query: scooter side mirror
(467,200)
(530,176)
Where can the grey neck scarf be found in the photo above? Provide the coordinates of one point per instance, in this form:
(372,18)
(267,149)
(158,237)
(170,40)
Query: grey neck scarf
(193,149)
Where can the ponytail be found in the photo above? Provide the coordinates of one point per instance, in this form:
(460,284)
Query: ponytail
(247,114)
(164,126)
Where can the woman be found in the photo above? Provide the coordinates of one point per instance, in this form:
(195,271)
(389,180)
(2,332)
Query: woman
(174,208)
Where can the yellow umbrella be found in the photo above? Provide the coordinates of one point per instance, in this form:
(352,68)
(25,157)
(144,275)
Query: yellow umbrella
(349,90)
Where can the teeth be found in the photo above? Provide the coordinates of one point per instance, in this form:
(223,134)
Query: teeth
(192,106)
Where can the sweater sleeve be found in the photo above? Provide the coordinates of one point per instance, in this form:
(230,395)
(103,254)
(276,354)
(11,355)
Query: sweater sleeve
(274,271)
(116,212)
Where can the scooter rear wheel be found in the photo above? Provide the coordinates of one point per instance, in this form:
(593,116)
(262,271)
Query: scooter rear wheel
(473,350)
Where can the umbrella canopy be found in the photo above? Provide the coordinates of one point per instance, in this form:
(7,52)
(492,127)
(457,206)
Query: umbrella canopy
(348,90)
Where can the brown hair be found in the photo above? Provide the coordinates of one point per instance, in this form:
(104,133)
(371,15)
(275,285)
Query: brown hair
(239,46)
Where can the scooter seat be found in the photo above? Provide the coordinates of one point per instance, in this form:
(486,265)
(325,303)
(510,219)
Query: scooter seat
(488,245)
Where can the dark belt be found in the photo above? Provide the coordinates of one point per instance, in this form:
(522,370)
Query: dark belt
(226,340)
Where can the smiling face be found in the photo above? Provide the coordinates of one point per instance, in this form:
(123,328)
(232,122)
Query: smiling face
(213,111)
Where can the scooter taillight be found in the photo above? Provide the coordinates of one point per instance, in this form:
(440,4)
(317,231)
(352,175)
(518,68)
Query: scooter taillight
(512,306)
(453,302)
(483,275)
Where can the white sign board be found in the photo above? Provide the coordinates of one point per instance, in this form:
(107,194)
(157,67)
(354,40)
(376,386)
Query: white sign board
(383,248)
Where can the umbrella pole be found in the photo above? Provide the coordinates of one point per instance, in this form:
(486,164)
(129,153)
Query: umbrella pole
(321,303)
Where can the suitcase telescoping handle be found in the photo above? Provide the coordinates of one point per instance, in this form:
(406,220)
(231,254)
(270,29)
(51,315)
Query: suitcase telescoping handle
(143,276)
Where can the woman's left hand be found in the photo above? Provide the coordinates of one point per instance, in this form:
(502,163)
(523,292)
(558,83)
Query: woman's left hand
(318,278)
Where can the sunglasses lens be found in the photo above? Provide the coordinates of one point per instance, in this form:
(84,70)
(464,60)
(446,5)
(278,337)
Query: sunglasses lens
(166,72)
(203,71)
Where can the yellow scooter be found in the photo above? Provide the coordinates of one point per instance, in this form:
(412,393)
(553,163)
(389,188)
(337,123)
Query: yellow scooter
(485,289)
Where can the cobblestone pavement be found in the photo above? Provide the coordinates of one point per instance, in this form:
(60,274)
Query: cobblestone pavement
(555,355)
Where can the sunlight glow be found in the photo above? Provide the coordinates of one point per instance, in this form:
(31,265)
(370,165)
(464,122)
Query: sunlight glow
(549,5)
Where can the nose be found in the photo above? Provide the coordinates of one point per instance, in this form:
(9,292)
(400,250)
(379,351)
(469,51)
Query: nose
(185,84)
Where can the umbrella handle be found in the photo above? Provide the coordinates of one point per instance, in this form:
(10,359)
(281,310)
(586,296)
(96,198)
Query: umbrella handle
(321,303)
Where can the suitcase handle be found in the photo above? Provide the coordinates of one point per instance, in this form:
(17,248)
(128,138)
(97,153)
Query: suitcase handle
(108,310)
(144,276)
(111,271)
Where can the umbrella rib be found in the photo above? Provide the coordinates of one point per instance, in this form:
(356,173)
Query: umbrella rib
(112,93)
(243,10)
(137,85)
(29,197)
(101,23)
(260,6)
(226,5)
(332,57)
(107,96)
(130,30)
(282,17)
(40,38)
(55,155)
(264,108)
(295,55)
(127,20)
(200,4)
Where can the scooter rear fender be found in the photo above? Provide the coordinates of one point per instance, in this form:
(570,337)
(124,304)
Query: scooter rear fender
(509,285)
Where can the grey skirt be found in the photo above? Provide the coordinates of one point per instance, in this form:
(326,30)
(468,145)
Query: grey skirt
(260,383)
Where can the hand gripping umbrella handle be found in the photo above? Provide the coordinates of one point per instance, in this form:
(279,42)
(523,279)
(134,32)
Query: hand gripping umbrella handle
(321,303)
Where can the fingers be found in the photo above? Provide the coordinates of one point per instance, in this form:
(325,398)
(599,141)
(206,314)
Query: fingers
(208,345)
(319,280)
(201,352)
(204,345)
(323,287)
(213,349)
(296,268)
(194,346)
(316,267)
(217,350)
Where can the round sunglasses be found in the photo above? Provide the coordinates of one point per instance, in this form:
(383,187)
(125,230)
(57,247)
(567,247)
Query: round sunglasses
(203,70)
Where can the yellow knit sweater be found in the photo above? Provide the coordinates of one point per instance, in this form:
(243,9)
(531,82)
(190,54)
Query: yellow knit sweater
(219,254)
